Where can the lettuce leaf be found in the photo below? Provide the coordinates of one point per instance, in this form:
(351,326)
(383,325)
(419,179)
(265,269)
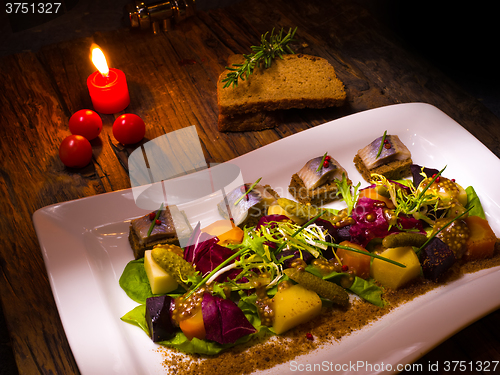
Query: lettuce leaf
(366,289)
(474,202)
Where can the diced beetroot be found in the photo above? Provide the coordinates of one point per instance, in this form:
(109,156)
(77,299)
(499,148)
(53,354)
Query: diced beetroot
(264,220)
(344,234)
(417,177)
(304,254)
(332,236)
(436,258)
(159,318)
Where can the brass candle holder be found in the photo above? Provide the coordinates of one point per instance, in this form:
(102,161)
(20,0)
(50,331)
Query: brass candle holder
(159,15)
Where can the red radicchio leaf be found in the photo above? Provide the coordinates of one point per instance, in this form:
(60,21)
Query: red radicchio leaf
(198,243)
(224,321)
(212,257)
(211,318)
(364,230)
(205,254)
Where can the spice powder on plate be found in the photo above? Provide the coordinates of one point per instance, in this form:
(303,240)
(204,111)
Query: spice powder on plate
(330,326)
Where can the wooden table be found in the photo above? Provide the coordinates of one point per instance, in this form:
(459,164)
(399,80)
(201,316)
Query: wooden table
(172,80)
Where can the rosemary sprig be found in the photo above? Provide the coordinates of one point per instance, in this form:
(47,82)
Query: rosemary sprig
(276,46)
(248,191)
(381,144)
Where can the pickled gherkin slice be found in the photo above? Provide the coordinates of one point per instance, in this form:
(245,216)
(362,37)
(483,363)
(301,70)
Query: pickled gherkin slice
(403,239)
(325,289)
(302,211)
(174,264)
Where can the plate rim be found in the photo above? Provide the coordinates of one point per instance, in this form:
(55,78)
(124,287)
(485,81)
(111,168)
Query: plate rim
(41,223)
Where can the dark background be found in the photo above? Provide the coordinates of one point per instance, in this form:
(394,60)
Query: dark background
(459,38)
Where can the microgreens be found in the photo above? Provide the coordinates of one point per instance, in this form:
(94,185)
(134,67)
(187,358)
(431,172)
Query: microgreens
(409,204)
(299,230)
(344,189)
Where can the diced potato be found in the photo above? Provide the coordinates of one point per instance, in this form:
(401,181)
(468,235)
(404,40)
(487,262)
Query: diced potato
(276,209)
(391,275)
(293,306)
(161,281)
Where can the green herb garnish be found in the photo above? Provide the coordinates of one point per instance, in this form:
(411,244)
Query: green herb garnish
(276,46)
(248,191)
(381,144)
(362,252)
(153,222)
(443,228)
(344,189)
(322,162)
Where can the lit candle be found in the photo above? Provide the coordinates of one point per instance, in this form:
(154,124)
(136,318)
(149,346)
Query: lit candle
(107,86)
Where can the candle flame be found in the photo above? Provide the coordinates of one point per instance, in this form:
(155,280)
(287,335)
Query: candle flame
(99,60)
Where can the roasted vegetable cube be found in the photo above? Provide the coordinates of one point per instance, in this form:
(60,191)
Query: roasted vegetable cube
(391,275)
(356,262)
(436,258)
(159,319)
(482,239)
(161,281)
(293,306)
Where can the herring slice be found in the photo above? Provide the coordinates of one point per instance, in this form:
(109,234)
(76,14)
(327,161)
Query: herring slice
(395,150)
(258,199)
(313,178)
(164,229)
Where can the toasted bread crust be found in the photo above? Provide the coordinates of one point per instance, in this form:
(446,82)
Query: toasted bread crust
(139,248)
(250,121)
(317,197)
(296,81)
(393,171)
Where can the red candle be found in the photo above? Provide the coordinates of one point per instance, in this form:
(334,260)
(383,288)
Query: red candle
(107,87)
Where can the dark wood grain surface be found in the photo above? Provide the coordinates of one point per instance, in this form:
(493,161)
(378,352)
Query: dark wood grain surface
(172,82)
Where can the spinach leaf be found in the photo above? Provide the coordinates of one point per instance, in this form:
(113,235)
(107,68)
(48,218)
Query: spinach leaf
(134,281)
(474,202)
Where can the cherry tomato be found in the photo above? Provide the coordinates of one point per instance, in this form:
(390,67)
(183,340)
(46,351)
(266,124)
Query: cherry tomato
(86,123)
(75,151)
(129,129)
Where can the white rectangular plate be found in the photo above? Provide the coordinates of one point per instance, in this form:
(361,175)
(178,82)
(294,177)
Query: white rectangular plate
(85,248)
